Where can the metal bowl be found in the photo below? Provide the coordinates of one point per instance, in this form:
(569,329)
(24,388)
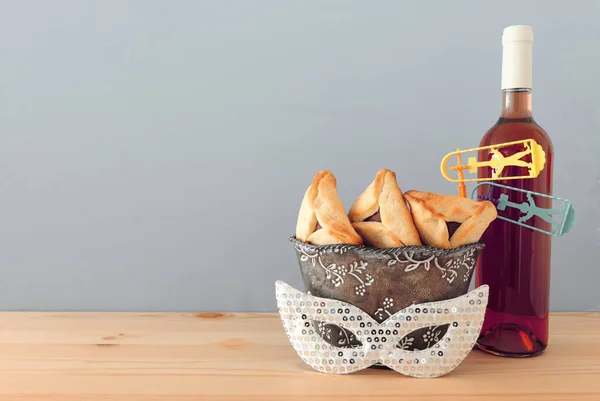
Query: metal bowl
(383,281)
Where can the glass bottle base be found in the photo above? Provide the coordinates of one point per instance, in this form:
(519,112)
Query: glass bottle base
(510,340)
(495,352)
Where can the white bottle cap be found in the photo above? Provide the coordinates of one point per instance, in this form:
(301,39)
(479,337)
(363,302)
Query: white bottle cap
(517,46)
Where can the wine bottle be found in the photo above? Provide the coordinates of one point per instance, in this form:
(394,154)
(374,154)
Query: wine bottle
(515,262)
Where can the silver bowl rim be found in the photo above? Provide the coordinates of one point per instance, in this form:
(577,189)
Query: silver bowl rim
(389,251)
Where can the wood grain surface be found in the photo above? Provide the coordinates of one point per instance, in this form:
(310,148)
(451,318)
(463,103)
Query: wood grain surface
(216,356)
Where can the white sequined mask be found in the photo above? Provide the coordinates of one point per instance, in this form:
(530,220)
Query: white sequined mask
(379,341)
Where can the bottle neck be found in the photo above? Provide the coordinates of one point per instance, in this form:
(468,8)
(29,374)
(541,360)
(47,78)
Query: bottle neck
(517,46)
(516,104)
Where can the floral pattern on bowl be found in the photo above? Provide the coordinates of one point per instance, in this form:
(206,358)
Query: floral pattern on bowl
(383,281)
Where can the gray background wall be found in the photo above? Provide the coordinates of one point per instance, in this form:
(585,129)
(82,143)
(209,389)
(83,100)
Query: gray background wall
(153,154)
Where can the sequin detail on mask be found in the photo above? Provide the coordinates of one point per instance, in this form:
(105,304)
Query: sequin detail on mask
(382,343)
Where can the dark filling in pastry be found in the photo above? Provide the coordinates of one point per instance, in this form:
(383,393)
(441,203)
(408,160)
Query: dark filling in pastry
(452,227)
(375,217)
(318,227)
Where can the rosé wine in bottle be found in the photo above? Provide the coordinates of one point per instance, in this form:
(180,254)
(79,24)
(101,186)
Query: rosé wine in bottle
(515,262)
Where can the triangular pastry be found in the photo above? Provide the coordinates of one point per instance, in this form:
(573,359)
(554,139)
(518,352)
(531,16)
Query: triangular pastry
(322,219)
(434,213)
(380,214)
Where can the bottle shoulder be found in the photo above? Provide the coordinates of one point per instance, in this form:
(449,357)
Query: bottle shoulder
(515,130)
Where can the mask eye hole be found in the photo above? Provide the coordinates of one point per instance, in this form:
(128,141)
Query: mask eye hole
(335,335)
(423,338)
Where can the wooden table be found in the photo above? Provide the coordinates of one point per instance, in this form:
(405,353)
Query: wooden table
(215,356)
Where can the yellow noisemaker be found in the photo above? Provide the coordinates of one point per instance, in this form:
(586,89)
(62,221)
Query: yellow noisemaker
(503,155)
